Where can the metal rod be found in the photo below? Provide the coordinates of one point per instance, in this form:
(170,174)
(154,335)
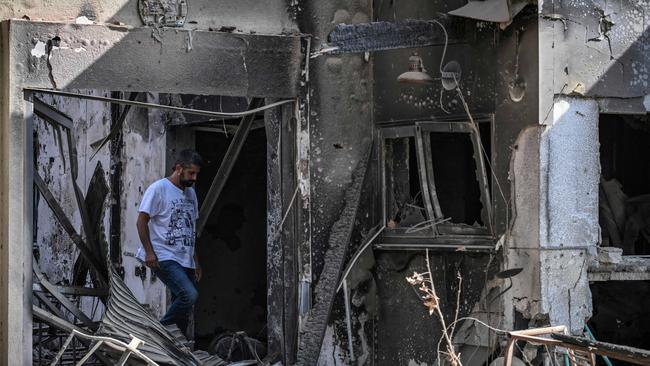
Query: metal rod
(117,126)
(67,225)
(120,346)
(53,320)
(74,290)
(593,338)
(228,162)
(124,358)
(428,158)
(50,114)
(160,106)
(229,128)
(49,304)
(62,324)
(447,247)
(482,178)
(348,320)
(61,298)
(539,331)
(89,230)
(426,196)
(357,255)
(90,353)
(62,350)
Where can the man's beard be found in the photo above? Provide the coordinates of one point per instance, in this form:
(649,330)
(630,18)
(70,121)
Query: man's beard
(186,182)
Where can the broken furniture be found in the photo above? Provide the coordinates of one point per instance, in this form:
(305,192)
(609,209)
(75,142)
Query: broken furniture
(581,351)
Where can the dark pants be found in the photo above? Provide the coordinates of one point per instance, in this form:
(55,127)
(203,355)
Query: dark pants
(181,283)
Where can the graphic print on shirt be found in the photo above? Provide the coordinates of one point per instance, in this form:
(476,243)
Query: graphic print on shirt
(181,225)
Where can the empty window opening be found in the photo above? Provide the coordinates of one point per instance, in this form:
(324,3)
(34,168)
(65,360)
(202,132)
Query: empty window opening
(454,170)
(436,180)
(624,194)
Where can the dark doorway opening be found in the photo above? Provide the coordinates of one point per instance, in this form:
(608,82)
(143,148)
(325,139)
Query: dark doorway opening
(620,314)
(232,248)
(625,182)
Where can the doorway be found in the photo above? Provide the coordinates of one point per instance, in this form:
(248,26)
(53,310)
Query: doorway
(232,247)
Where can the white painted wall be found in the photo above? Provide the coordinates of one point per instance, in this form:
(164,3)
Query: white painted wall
(91,122)
(143,162)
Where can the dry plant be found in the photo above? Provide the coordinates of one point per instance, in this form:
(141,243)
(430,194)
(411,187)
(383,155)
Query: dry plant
(432,302)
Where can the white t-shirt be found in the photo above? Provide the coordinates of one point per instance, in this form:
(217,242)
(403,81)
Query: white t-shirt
(173,213)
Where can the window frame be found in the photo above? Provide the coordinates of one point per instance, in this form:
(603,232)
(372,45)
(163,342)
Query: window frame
(444,235)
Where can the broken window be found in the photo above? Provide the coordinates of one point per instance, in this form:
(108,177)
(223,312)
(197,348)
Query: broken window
(437,191)
(624,194)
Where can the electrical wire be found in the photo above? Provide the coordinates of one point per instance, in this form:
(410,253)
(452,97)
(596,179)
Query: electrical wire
(442,60)
(160,106)
(357,255)
(295,193)
(444,49)
(489,327)
(483,151)
(420,225)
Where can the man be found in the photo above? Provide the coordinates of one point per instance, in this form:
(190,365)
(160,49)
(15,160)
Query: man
(166,226)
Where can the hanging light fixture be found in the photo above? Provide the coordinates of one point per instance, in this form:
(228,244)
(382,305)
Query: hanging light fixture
(416,74)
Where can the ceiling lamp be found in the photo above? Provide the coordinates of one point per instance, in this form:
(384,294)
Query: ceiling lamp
(416,74)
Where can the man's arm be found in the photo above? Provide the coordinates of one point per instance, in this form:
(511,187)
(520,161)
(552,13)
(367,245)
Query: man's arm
(150,258)
(197,271)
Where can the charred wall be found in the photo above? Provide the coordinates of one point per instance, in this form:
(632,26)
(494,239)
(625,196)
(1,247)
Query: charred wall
(339,112)
(89,55)
(516,162)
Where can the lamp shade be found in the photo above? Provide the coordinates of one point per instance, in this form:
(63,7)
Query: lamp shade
(416,74)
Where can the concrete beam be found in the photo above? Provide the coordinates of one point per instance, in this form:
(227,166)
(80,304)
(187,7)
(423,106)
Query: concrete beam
(58,55)
(269,17)
(631,268)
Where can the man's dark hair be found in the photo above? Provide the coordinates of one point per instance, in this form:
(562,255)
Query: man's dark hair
(188,157)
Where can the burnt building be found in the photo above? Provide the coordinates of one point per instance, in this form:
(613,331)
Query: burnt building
(496,148)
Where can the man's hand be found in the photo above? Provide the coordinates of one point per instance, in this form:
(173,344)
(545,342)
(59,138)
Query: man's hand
(198,272)
(151,260)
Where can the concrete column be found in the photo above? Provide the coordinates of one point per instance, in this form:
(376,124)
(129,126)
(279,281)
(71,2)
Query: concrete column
(15,214)
(569,229)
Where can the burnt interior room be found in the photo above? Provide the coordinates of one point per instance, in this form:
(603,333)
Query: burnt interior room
(620,314)
(69,134)
(624,193)
(232,247)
